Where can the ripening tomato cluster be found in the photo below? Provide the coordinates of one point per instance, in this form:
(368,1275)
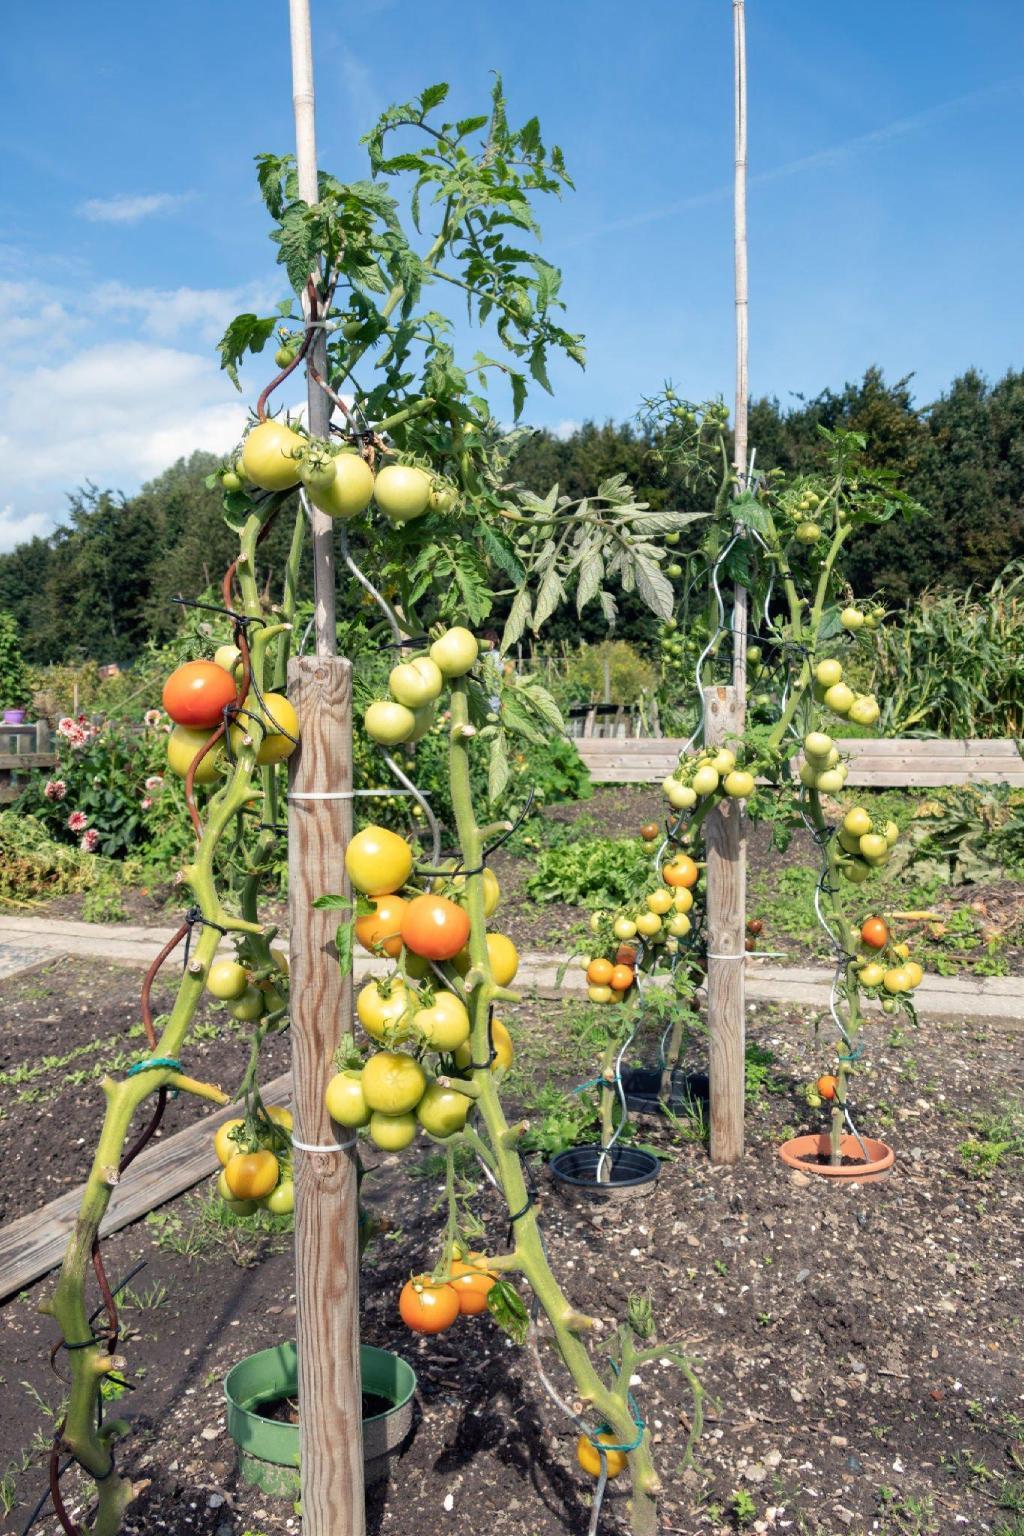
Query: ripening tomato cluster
(248,999)
(200,695)
(886,966)
(411,1012)
(338,480)
(427,1305)
(708,773)
(839,697)
(255,1169)
(867,847)
(415,687)
(662,919)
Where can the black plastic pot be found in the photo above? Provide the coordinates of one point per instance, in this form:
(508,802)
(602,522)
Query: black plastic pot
(642,1087)
(631,1172)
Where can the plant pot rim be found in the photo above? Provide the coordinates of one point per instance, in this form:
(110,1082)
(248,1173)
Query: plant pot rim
(646,1166)
(275,1371)
(794,1154)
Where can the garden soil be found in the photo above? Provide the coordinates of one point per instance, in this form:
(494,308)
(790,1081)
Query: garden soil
(860,1347)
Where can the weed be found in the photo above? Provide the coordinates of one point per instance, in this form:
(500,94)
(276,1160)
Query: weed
(742,1508)
(204,1223)
(997,1135)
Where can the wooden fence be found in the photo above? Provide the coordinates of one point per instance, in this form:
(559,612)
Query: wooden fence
(876,764)
(22,749)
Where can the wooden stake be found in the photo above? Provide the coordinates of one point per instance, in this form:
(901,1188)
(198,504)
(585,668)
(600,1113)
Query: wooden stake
(304,103)
(326,1186)
(726,895)
(741,410)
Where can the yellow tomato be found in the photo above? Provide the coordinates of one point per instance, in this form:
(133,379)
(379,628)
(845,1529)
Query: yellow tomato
(378,862)
(445,1024)
(683,900)
(504,958)
(590,1459)
(648,923)
(224,1147)
(380,1010)
(182,745)
(270,456)
(503,1052)
(659,901)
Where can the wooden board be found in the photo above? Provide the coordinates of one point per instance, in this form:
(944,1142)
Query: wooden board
(726,912)
(34,1244)
(21,760)
(898,762)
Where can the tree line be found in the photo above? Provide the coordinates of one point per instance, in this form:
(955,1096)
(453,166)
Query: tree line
(102,584)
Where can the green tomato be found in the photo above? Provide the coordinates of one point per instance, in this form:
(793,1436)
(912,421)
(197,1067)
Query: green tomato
(739,784)
(671,539)
(808,533)
(857,821)
(851,619)
(402,492)
(673,571)
(348,490)
(227,980)
(828,672)
(705,780)
(415,683)
(442,1111)
(839,698)
(455,652)
(281,1199)
(230,481)
(392,1132)
(345,1099)
(249,1007)
(443,496)
(425,718)
(864,709)
(389,724)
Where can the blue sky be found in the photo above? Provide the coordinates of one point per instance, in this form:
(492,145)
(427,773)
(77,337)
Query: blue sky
(885,202)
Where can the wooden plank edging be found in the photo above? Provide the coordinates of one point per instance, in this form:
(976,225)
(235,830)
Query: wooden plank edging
(34,1244)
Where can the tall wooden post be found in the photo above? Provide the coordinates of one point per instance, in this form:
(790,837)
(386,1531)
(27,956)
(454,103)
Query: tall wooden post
(740,413)
(319,828)
(726,888)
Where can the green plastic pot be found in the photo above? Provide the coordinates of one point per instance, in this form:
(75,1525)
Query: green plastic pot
(268,1451)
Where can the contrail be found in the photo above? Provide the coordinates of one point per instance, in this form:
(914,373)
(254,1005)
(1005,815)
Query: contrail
(894,130)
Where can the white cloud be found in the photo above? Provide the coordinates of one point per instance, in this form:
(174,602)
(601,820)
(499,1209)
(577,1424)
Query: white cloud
(166,313)
(565,429)
(116,414)
(18,528)
(129,209)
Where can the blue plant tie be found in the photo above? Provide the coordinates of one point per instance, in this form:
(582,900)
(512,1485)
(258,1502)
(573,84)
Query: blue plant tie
(153,1063)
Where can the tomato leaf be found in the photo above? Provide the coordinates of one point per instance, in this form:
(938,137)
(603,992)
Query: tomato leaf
(331,903)
(343,940)
(506,1307)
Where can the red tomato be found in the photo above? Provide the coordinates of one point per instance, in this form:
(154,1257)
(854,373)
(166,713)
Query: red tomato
(197,692)
(434,927)
(875,933)
(428,1308)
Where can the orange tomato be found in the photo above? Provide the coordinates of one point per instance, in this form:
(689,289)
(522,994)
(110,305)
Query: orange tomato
(622,978)
(680,870)
(380,931)
(434,927)
(428,1308)
(874,933)
(251,1175)
(827,1086)
(471,1281)
(599,972)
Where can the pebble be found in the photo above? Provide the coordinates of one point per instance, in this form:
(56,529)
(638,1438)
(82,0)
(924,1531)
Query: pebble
(838,1440)
(211,1432)
(215,1501)
(802,1275)
(449,1502)
(801,1180)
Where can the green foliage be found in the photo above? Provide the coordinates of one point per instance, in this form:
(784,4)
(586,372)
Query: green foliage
(599,872)
(963,834)
(577,675)
(954,665)
(33,867)
(559,1120)
(14,689)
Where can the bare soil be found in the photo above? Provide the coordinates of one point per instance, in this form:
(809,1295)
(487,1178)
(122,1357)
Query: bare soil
(860,1347)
